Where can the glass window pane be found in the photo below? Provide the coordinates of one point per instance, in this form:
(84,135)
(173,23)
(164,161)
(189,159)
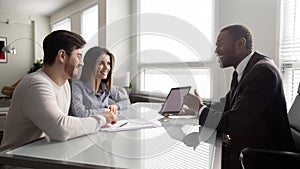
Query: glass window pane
(161,49)
(195,12)
(158,80)
(62,25)
(175,48)
(90,22)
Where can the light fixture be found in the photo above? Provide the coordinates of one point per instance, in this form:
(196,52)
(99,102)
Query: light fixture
(12,50)
(9,49)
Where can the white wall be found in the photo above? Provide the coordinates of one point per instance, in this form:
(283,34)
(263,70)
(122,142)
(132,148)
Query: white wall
(28,50)
(260,16)
(118,36)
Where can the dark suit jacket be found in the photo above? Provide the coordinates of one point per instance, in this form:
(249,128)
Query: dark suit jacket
(257,115)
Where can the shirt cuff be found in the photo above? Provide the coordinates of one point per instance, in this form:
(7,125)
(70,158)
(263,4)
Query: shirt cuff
(201,110)
(101,111)
(119,106)
(101,120)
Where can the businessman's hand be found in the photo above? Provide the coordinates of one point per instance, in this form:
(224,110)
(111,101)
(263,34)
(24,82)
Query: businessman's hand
(192,140)
(110,117)
(192,104)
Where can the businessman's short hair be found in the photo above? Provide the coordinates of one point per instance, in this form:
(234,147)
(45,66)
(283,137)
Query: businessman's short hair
(240,31)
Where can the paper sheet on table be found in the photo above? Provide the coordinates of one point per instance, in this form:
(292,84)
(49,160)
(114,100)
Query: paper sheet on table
(132,124)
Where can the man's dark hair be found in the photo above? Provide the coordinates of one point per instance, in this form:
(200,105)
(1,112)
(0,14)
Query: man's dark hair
(61,39)
(240,31)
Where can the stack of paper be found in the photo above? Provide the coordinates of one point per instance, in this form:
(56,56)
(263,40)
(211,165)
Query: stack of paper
(131,124)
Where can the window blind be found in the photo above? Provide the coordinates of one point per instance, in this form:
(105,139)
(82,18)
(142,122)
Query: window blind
(290,47)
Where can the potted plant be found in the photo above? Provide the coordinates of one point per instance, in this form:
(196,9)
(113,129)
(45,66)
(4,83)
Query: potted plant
(36,66)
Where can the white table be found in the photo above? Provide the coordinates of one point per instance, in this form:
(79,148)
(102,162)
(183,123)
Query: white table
(160,147)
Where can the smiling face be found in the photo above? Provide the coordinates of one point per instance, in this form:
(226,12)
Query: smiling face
(103,66)
(226,49)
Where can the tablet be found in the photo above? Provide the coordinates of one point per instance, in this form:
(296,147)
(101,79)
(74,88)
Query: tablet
(174,101)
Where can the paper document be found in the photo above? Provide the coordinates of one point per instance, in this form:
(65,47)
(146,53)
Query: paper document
(131,124)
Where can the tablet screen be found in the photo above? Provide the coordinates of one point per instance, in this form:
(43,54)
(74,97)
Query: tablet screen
(174,100)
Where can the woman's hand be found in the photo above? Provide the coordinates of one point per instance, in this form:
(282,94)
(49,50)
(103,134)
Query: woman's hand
(113,108)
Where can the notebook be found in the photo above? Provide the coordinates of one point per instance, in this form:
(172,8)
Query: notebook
(130,124)
(174,101)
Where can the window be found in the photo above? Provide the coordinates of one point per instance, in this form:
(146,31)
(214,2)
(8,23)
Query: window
(90,23)
(168,55)
(290,48)
(64,25)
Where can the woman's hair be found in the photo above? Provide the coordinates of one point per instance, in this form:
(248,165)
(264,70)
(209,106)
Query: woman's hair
(90,61)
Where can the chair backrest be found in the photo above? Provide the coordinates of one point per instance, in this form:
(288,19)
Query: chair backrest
(294,119)
(252,158)
(263,158)
(122,90)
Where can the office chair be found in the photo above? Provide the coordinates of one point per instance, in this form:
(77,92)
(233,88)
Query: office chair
(252,158)
(263,158)
(9,90)
(122,90)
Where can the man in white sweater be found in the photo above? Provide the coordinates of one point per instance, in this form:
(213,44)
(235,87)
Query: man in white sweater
(41,101)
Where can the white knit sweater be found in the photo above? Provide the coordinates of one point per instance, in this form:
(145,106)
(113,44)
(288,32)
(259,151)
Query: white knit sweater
(40,108)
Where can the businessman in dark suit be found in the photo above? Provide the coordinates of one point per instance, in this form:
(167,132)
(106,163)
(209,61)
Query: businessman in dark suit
(253,113)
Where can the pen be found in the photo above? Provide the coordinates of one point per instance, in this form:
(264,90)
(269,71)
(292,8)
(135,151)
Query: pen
(123,124)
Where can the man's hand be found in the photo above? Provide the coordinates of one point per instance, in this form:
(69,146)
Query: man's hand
(187,111)
(192,104)
(110,117)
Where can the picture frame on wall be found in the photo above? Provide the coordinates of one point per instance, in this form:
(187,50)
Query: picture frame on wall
(3,55)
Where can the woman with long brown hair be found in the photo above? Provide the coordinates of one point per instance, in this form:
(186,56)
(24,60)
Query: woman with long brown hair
(91,93)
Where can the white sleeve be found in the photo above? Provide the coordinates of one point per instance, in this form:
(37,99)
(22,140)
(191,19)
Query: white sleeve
(46,113)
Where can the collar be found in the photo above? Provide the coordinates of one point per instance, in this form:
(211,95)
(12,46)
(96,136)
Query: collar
(242,65)
(103,87)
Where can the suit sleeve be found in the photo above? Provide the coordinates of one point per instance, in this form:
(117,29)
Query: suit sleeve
(254,96)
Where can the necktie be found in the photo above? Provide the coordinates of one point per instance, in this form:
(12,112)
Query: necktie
(234,83)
